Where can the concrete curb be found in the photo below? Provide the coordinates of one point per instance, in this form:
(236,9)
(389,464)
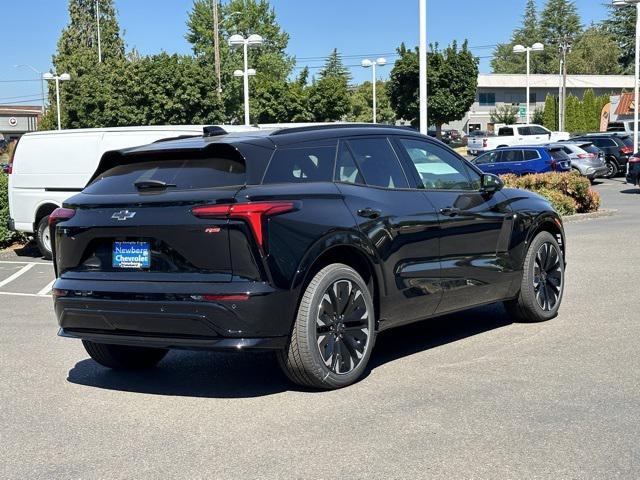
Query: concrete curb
(605,212)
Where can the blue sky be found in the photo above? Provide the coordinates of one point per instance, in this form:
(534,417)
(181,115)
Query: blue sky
(358,28)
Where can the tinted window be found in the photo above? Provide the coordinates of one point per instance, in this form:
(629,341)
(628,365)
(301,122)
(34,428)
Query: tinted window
(627,141)
(487,99)
(301,164)
(346,168)
(531,155)
(535,130)
(177,174)
(511,156)
(378,163)
(505,132)
(558,154)
(604,142)
(438,168)
(525,131)
(591,149)
(490,157)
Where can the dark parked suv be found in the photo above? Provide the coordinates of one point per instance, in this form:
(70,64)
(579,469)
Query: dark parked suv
(306,241)
(616,148)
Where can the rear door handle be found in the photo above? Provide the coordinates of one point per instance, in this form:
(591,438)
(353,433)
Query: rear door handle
(369,212)
(450,211)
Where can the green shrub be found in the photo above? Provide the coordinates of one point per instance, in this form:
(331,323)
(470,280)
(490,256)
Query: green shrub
(7,237)
(568,192)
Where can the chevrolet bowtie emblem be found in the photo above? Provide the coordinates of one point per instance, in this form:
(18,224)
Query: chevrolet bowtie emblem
(123,215)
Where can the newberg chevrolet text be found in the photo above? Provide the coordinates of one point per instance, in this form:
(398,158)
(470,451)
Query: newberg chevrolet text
(306,241)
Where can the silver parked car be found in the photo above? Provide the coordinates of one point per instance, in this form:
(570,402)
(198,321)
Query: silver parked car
(585,157)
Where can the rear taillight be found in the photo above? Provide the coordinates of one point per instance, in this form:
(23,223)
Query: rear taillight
(634,159)
(485,143)
(586,155)
(626,150)
(60,214)
(251,212)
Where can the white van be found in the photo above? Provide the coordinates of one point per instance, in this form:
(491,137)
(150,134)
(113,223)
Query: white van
(49,167)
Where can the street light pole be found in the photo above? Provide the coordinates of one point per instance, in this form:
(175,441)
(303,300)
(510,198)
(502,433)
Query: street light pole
(236,41)
(636,99)
(366,63)
(57,78)
(98,21)
(536,47)
(422,53)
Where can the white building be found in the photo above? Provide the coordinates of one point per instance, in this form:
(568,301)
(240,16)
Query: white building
(495,90)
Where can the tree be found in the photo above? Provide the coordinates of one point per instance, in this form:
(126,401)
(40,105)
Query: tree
(621,25)
(77,54)
(574,115)
(538,116)
(362,104)
(270,60)
(507,114)
(559,21)
(452,81)
(594,53)
(504,60)
(329,95)
(550,116)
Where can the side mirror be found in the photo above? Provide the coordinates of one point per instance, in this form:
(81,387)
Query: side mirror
(490,183)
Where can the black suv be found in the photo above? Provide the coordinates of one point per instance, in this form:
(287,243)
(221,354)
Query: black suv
(616,148)
(307,241)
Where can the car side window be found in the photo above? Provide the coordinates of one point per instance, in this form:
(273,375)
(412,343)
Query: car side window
(438,168)
(511,156)
(525,131)
(378,162)
(301,163)
(531,155)
(346,169)
(535,130)
(489,157)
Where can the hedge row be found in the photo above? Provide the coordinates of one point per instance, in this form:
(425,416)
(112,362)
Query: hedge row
(7,237)
(569,193)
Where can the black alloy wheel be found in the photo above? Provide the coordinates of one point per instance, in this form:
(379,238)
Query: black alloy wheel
(547,276)
(342,326)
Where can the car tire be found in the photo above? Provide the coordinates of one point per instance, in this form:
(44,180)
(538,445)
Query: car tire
(612,169)
(43,238)
(334,331)
(123,357)
(540,293)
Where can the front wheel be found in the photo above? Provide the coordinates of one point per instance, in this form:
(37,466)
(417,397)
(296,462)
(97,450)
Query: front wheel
(123,357)
(334,331)
(542,282)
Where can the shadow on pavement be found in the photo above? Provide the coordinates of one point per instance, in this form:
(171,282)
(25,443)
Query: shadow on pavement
(28,250)
(244,375)
(635,191)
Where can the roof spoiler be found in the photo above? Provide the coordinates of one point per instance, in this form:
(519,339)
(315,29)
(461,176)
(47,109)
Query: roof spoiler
(213,131)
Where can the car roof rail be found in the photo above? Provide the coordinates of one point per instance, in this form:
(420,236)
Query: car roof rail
(329,126)
(213,131)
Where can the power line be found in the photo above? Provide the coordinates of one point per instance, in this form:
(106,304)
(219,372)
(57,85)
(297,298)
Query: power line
(18,97)
(21,80)
(37,99)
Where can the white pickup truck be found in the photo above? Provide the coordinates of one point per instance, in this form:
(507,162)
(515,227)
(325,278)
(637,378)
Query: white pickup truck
(511,135)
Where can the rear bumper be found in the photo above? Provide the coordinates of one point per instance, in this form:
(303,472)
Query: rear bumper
(163,314)
(265,343)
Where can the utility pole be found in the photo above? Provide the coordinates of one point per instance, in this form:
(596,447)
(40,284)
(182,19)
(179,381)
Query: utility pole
(422,54)
(565,48)
(98,22)
(216,44)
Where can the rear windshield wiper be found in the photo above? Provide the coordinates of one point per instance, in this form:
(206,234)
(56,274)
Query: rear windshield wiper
(148,184)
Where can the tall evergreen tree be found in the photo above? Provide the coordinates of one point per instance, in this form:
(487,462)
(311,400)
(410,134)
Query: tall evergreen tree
(621,25)
(504,60)
(594,52)
(559,20)
(87,94)
(329,95)
(550,116)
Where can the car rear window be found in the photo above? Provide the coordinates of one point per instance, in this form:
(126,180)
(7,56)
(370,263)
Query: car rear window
(307,163)
(558,154)
(590,149)
(505,132)
(628,141)
(176,174)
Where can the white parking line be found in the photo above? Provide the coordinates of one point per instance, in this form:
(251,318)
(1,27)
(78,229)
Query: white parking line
(11,278)
(46,289)
(25,294)
(23,263)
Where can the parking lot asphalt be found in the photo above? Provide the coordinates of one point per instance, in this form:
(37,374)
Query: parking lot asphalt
(470,395)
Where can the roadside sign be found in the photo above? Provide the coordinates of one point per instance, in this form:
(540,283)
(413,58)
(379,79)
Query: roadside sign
(523,112)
